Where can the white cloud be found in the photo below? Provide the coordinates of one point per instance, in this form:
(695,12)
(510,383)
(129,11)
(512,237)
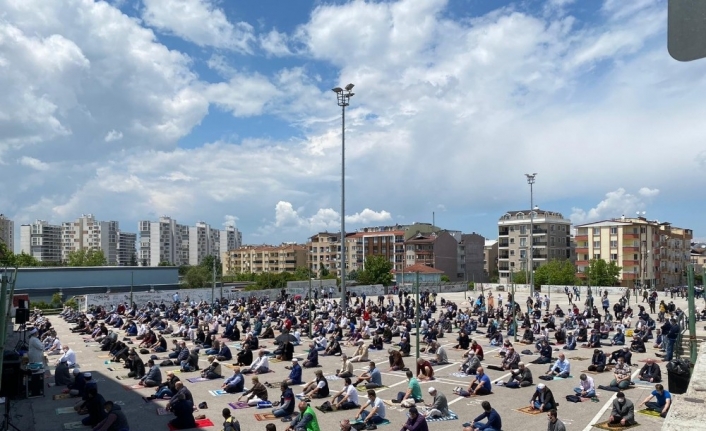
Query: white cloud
(275,43)
(113,135)
(369,216)
(199,22)
(616,204)
(230,220)
(177,176)
(33,163)
(325,218)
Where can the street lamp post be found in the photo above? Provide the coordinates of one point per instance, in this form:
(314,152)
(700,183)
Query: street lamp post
(343,96)
(530,181)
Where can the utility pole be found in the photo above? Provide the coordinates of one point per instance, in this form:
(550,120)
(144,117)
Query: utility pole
(213,285)
(416,324)
(132,283)
(692,317)
(530,181)
(309,302)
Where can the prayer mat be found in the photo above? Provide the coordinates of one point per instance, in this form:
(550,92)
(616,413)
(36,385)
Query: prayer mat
(199,379)
(200,423)
(161,411)
(459,374)
(218,392)
(322,411)
(563,378)
(123,377)
(647,412)
(128,387)
(363,390)
(231,366)
(330,378)
(65,410)
(111,369)
(529,411)
(103,356)
(605,426)
(61,396)
(384,422)
(74,425)
(265,416)
(592,372)
(657,360)
(274,361)
(238,405)
(451,417)
(579,358)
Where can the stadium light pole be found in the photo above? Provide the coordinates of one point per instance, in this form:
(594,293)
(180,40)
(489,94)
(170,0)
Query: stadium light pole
(343,96)
(530,181)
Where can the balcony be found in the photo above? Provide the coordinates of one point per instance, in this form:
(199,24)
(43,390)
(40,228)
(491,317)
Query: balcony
(502,244)
(503,255)
(627,262)
(631,249)
(629,276)
(581,263)
(582,250)
(539,243)
(539,232)
(631,236)
(578,238)
(503,231)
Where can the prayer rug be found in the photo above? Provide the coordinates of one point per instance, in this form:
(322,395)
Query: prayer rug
(65,410)
(265,416)
(199,379)
(218,392)
(238,405)
(605,426)
(384,422)
(529,411)
(647,412)
(61,396)
(200,423)
(451,417)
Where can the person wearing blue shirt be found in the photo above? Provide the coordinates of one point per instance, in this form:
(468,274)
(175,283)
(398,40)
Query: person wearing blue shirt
(480,386)
(618,338)
(312,359)
(561,368)
(234,383)
(224,354)
(493,422)
(286,402)
(295,375)
(664,401)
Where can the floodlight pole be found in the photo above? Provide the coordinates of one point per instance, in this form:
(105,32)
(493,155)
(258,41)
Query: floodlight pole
(530,181)
(343,97)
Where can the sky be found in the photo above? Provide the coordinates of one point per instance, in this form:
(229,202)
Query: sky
(222,111)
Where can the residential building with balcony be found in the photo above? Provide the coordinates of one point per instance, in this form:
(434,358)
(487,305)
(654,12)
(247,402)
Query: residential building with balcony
(551,239)
(324,252)
(650,253)
(490,258)
(470,258)
(386,243)
(87,233)
(203,241)
(7,232)
(42,241)
(436,250)
(163,241)
(698,257)
(231,238)
(264,258)
(126,252)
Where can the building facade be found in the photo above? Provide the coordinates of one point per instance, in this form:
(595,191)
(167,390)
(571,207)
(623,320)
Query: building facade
(7,232)
(127,253)
(230,238)
(203,241)
(386,243)
(264,258)
(42,241)
(87,233)
(437,250)
(471,258)
(324,251)
(650,253)
(551,239)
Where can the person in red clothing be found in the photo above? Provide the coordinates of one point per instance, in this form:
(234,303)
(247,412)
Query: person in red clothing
(477,349)
(424,370)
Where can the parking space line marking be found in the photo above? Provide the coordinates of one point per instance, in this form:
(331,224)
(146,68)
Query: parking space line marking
(608,404)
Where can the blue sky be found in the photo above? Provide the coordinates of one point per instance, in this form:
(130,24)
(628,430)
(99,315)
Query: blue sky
(221,111)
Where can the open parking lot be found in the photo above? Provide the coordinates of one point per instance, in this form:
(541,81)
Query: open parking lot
(143,416)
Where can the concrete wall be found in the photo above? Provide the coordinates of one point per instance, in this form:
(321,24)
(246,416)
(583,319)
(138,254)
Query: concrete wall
(687,411)
(546,288)
(99,276)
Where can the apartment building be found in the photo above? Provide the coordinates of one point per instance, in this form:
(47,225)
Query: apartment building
(437,250)
(231,238)
(7,232)
(126,252)
(490,258)
(650,253)
(550,239)
(698,256)
(324,252)
(203,241)
(87,233)
(264,258)
(471,258)
(42,241)
(386,243)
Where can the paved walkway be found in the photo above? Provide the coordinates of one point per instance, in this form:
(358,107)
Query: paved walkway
(41,413)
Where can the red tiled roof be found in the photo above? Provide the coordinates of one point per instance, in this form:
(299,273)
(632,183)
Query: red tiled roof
(422,269)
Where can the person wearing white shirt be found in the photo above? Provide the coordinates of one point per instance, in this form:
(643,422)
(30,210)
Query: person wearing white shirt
(377,412)
(260,365)
(36,348)
(70,356)
(347,398)
(55,347)
(587,388)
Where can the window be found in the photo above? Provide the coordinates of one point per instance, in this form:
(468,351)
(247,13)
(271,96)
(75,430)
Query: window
(512,252)
(614,244)
(614,256)
(512,263)
(512,240)
(596,231)
(520,216)
(523,242)
(597,256)
(614,231)
(551,241)
(634,230)
(596,244)
(634,257)
(552,227)
(523,230)
(523,254)
(643,230)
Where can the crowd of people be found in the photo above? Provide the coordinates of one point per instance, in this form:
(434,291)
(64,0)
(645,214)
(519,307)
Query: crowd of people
(178,333)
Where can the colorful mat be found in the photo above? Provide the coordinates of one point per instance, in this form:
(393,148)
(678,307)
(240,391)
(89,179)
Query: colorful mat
(128,387)
(161,411)
(61,396)
(363,390)
(200,423)
(238,405)
(605,426)
(384,422)
(649,412)
(265,416)
(199,379)
(459,374)
(65,410)
(218,392)
(451,417)
(529,411)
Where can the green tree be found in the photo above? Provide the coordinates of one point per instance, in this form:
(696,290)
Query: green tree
(86,257)
(555,272)
(196,277)
(302,273)
(495,276)
(165,263)
(520,277)
(207,263)
(133,260)
(353,275)
(324,272)
(601,273)
(24,260)
(377,271)
(445,278)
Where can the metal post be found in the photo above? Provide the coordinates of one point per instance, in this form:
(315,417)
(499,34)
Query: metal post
(692,316)
(132,283)
(343,96)
(309,311)
(213,285)
(530,181)
(416,323)
(514,307)
(221,279)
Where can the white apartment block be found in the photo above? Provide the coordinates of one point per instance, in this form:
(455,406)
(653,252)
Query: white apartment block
(88,233)
(42,241)
(203,241)
(231,239)
(126,252)
(7,232)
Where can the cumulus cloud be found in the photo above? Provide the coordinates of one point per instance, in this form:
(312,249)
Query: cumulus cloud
(286,216)
(113,135)
(33,163)
(616,203)
(275,43)
(230,220)
(199,22)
